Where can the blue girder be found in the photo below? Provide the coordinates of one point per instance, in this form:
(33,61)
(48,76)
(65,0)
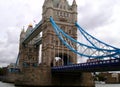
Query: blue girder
(112,52)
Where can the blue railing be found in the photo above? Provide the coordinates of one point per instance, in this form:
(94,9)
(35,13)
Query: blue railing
(101,65)
(33,30)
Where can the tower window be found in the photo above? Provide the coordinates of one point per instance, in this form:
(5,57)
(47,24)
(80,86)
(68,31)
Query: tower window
(64,7)
(60,6)
(30,50)
(56,42)
(57,5)
(70,32)
(67,14)
(60,13)
(61,43)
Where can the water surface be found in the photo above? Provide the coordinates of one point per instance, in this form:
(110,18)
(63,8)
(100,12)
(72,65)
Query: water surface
(97,85)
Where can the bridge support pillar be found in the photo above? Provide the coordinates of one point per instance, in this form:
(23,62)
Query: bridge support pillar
(73,79)
(34,76)
(86,80)
(42,76)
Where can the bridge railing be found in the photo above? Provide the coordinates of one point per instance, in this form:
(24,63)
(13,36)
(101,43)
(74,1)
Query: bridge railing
(102,65)
(33,33)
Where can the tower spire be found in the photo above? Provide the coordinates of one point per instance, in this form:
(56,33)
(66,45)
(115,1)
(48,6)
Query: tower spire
(74,6)
(49,3)
(45,2)
(74,3)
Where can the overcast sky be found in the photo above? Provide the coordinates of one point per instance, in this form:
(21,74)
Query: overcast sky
(99,17)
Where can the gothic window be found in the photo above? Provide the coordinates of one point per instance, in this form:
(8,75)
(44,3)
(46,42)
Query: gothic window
(60,13)
(26,64)
(60,6)
(56,42)
(30,49)
(56,12)
(65,30)
(45,54)
(70,32)
(33,58)
(61,42)
(64,7)
(74,31)
(26,56)
(29,57)
(57,5)
(34,64)
(52,40)
(63,27)
(64,14)
(67,14)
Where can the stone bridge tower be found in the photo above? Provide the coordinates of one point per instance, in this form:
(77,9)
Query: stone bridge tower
(65,16)
(54,53)
(28,53)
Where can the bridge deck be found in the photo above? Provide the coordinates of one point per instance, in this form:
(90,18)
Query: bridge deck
(37,29)
(38,42)
(98,66)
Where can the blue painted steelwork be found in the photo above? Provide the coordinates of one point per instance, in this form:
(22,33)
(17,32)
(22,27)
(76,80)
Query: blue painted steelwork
(101,65)
(14,70)
(17,60)
(32,32)
(38,42)
(60,33)
(87,34)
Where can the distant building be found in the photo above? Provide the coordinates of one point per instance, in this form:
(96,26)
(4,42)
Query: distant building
(92,60)
(111,77)
(12,68)
(3,71)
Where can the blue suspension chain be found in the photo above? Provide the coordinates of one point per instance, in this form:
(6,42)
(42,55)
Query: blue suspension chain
(83,31)
(58,30)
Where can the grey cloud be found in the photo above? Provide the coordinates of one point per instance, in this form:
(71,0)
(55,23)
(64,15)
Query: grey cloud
(9,53)
(12,36)
(18,13)
(91,17)
(14,15)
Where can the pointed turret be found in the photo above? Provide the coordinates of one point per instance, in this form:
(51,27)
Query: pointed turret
(44,5)
(74,2)
(47,9)
(74,9)
(23,31)
(63,4)
(22,35)
(50,3)
(45,2)
(74,6)
(29,29)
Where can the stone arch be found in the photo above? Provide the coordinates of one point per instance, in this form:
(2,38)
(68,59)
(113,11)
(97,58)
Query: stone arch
(63,59)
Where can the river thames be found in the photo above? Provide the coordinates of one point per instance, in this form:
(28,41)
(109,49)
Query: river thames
(97,85)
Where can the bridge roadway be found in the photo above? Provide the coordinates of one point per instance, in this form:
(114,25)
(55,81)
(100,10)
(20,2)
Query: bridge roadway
(98,66)
(38,42)
(36,30)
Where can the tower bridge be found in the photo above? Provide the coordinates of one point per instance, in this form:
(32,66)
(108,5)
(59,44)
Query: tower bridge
(60,49)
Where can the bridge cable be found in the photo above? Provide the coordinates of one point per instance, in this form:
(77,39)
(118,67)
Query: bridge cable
(83,31)
(58,30)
